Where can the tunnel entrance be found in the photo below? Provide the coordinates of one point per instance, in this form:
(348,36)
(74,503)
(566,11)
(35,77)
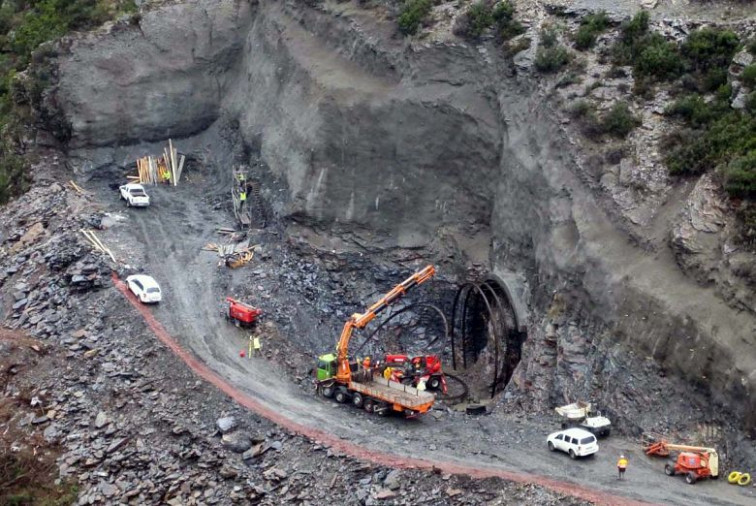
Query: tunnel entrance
(486,336)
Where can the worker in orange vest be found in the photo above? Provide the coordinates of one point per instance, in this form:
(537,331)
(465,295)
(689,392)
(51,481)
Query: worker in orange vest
(621,466)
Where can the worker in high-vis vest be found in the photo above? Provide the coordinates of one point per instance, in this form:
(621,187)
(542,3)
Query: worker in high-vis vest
(622,466)
(242,197)
(257,345)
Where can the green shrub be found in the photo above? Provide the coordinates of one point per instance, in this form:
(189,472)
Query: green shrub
(619,121)
(413,14)
(503,11)
(635,28)
(585,114)
(740,175)
(710,48)
(692,109)
(548,38)
(751,46)
(713,79)
(750,103)
(581,109)
(727,136)
(481,18)
(507,26)
(657,58)
(14,176)
(551,59)
(749,75)
(590,28)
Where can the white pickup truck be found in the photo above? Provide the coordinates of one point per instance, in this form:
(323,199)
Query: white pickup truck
(134,195)
(578,414)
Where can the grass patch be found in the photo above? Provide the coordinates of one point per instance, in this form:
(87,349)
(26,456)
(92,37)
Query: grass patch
(413,14)
(591,26)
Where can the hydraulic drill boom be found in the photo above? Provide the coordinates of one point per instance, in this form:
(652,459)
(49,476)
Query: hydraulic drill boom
(360,320)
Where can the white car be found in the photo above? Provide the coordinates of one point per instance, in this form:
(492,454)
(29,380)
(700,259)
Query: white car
(134,195)
(144,287)
(576,442)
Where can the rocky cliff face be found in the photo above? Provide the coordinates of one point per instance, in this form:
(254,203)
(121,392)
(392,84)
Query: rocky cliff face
(437,147)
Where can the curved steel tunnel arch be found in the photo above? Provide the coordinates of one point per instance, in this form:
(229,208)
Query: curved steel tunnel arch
(496,316)
(403,310)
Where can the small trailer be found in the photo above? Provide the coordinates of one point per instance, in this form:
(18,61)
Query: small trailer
(242,314)
(578,414)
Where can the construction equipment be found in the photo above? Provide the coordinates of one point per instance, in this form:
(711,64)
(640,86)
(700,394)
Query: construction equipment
(578,414)
(695,462)
(242,314)
(425,368)
(366,388)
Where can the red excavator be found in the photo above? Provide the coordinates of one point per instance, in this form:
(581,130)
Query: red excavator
(695,462)
(425,368)
(361,385)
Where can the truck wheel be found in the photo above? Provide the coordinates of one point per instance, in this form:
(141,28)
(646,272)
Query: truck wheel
(669,470)
(368,405)
(327,391)
(551,447)
(434,383)
(341,397)
(573,455)
(691,478)
(358,400)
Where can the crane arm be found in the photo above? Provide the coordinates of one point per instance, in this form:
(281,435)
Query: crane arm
(663,448)
(686,448)
(360,320)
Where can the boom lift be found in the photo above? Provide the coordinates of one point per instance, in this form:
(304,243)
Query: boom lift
(337,378)
(695,462)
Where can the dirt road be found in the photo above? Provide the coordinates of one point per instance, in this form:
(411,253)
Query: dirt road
(165,240)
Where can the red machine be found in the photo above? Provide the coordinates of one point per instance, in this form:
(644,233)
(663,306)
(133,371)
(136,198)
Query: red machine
(241,313)
(412,370)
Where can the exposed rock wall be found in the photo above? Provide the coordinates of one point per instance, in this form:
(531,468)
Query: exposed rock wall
(406,144)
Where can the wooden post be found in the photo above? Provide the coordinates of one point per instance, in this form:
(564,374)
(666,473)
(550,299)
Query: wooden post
(180,167)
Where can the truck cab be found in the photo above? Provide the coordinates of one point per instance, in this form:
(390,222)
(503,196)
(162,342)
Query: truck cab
(327,367)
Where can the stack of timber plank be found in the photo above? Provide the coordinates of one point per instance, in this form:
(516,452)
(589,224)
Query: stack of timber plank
(162,169)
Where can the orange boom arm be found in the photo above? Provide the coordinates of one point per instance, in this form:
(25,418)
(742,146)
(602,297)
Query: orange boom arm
(360,320)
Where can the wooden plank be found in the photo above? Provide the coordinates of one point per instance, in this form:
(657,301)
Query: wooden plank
(172,152)
(180,168)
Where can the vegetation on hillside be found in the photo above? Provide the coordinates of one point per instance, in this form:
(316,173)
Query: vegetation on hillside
(24,25)
(591,26)
(413,14)
(484,14)
(551,56)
